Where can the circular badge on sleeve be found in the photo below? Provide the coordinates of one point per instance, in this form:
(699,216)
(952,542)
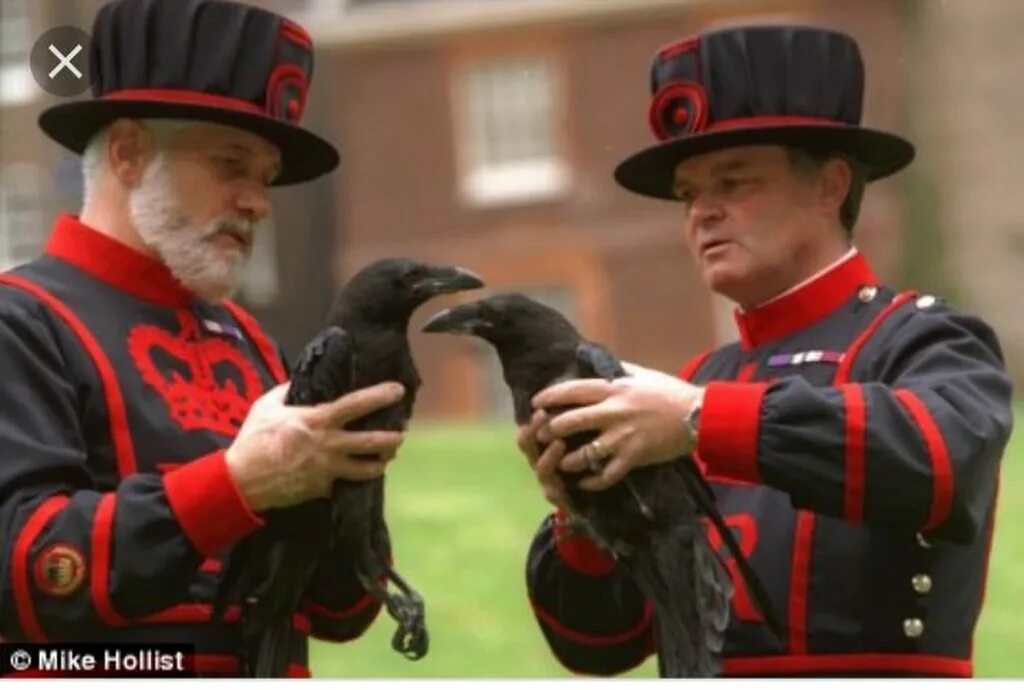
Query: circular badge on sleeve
(59,570)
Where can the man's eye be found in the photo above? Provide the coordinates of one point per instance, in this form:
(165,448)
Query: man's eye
(230,165)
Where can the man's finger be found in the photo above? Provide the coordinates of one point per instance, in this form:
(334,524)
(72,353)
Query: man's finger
(362,442)
(579,392)
(548,461)
(356,404)
(356,470)
(278,393)
(617,468)
(593,417)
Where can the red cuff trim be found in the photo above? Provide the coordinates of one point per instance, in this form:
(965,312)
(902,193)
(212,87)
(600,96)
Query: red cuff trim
(20,580)
(856,416)
(322,611)
(938,453)
(729,422)
(206,502)
(580,552)
(591,639)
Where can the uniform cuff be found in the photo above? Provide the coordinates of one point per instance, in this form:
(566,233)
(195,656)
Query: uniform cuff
(727,436)
(579,551)
(207,503)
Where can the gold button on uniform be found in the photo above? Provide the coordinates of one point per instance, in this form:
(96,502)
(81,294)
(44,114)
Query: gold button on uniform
(926,301)
(921,583)
(867,293)
(913,627)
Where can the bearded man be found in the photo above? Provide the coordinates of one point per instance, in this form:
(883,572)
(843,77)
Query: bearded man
(142,431)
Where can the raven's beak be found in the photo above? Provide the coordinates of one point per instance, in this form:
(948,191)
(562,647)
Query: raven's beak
(445,279)
(464,319)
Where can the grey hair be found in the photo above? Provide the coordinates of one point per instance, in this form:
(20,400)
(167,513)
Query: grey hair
(94,155)
(808,162)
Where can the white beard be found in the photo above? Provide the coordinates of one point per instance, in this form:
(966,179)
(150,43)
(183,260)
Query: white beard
(159,214)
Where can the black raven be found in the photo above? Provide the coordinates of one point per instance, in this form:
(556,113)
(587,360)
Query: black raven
(365,343)
(650,521)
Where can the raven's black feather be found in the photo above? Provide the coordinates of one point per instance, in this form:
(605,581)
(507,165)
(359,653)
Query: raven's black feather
(366,343)
(650,521)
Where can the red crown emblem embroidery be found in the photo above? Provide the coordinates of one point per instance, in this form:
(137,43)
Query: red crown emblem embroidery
(207,383)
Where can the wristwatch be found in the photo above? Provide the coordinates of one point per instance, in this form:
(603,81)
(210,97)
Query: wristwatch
(692,420)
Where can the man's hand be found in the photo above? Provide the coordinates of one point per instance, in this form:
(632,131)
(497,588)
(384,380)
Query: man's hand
(545,463)
(286,454)
(639,420)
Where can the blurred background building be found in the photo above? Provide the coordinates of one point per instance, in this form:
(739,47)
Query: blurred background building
(484,133)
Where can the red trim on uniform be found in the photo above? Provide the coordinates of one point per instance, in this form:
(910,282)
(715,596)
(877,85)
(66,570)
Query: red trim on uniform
(938,454)
(117,413)
(799,582)
(856,424)
(210,565)
(579,551)
(208,505)
(747,372)
(179,96)
(203,613)
(21,586)
(687,371)
(322,611)
(270,354)
(796,310)
(729,422)
(846,365)
(859,663)
(227,664)
(117,264)
(758,121)
(590,639)
(102,537)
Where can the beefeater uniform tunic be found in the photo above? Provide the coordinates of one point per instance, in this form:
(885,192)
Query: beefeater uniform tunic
(853,439)
(121,392)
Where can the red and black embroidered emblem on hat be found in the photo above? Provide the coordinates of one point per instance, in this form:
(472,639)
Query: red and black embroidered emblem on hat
(59,570)
(207,383)
(288,83)
(679,108)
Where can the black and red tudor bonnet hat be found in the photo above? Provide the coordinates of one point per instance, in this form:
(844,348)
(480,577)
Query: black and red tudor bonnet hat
(209,60)
(791,85)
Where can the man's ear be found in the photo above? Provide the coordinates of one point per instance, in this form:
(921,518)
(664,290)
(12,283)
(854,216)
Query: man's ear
(834,184)
(130,147)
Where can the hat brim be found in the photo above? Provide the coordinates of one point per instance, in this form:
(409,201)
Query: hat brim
(651,172)
(304,155)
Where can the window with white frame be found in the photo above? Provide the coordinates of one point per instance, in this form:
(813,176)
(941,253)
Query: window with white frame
(496,395)
(509,138)
(16,82)
(21,214)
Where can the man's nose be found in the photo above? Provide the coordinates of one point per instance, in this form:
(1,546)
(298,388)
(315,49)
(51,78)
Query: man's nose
(254,202)
(706,212)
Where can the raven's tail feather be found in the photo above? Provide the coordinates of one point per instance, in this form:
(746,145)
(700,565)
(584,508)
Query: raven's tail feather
(269,655)
(689,590)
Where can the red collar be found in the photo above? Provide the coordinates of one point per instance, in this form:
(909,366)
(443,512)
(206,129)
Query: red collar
(803,306)
(115,263)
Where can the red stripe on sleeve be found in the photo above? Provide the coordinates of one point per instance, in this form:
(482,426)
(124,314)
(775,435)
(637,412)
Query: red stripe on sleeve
(102,536)
(938,454)
(853,497)
(591,639)
(20,580)
(846,365)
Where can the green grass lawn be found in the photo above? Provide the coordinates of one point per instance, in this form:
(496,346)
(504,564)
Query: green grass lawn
(462,510)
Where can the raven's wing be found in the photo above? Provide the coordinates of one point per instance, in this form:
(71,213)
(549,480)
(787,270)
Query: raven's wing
(269,570)
(325,369)
(596,360)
